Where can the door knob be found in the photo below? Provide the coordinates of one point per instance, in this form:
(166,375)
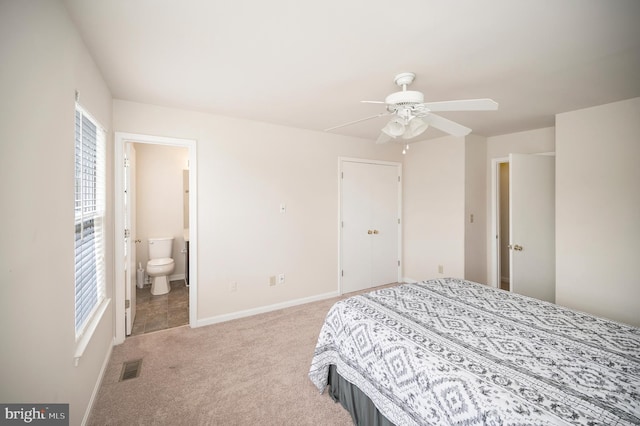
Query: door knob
(375,231)
(517,247)
(369,232)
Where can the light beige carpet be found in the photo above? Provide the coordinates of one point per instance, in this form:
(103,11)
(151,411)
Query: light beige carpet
(251,371)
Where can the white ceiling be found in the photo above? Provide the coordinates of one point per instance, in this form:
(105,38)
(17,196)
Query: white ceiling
(308,64)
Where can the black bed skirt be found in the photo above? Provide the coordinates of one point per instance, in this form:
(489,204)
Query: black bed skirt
(362,410)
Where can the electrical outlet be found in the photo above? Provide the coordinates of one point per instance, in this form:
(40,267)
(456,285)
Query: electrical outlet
(281,279)
(272,280)
(440,269)
(233,287)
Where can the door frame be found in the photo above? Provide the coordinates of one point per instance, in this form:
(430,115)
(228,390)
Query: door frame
(341,161)
(121,139)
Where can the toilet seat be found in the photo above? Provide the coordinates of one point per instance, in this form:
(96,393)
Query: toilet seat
(160,262)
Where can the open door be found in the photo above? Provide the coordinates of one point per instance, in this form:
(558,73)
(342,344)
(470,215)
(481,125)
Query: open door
(532,225)
(129,236)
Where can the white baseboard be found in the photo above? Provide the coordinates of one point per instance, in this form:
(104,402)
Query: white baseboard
(409,280)
(176,277)
(263,309)
(96,388)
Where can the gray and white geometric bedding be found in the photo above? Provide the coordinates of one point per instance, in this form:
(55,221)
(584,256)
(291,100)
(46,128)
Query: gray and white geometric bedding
(450,351)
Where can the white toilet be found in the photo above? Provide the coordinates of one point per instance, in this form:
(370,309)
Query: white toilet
(160,264)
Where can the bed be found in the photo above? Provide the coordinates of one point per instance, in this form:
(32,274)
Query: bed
(454,352)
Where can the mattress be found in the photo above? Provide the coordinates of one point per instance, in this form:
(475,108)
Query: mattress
(450,351)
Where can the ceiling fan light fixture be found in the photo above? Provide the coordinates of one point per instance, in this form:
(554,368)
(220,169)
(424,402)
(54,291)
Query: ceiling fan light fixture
(394,128)
(415,127)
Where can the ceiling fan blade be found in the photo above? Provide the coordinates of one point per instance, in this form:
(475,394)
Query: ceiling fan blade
(357,121)
(373,102)
(447,125)
(383,138)
(463,105)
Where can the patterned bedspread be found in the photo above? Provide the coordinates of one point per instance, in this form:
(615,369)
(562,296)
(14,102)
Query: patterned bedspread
(451,351)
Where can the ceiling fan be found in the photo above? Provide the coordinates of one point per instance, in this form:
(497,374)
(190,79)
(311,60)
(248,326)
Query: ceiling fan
(413,116)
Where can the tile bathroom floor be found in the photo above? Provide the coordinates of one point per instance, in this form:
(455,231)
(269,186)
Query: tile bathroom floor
(155,313)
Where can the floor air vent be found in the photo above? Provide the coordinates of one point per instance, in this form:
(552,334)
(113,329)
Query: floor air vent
(130,370)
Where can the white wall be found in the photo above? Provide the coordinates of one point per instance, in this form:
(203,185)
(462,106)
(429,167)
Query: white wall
(527,142)
(246,170)
(43,63)
(598,210)
(434,208)
(159,199)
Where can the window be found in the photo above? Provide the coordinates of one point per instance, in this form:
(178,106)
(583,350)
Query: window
(89,219)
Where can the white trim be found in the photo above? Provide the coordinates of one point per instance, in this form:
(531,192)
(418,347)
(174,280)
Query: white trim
(263,309)
(120,139)
(89,330)
(342,160)
(97,386)
(177,277)
(364,160)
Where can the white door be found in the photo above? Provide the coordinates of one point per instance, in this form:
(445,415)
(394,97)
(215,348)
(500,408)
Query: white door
(532,225)
(370,212)
(130,236)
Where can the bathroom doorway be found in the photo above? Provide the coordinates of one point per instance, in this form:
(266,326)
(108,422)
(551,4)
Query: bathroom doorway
(162,164)
(157,210)
(503,215)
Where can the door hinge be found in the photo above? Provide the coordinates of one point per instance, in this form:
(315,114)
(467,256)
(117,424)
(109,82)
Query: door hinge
(127,303)
(342,273)
(342,175)
(127,233)
(398,263)
(126,162)
(398,221)
(398,178)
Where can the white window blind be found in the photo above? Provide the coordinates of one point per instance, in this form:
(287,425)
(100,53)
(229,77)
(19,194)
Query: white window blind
(89,219)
